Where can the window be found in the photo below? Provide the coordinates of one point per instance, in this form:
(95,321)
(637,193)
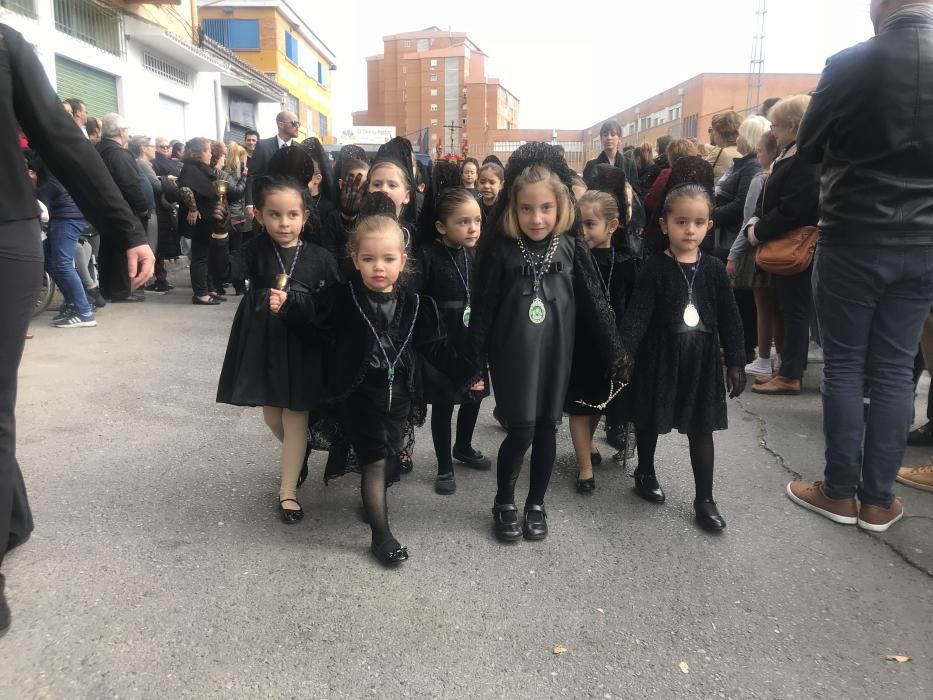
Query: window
(291,104)
(434,122)
(433,92)
(433,63)
(233,33)
(291,48)
(464,123)
(166,69)
(433,108)
(423,44)
(322,121)
(404,70)
(433,77)
(407,44)
(320,72)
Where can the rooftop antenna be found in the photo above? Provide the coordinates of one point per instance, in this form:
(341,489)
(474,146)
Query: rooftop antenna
(757,64)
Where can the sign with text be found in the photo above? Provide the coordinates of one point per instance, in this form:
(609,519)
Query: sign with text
(368,134)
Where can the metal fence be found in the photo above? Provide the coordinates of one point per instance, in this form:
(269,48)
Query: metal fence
(91,22)
(575,152)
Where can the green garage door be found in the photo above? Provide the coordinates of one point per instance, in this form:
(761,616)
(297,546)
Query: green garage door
(98,90)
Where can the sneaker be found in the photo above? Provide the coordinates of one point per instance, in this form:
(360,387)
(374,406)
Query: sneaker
(95,298)
(922,436)
(64,312)
(811,496)
(445,484)
(77,321)
(760,366)
(159,287)
(917,477)
(878,519)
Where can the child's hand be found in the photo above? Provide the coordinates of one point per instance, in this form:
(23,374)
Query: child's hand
(735,381)
(478,386)
(276,299)
(351,196)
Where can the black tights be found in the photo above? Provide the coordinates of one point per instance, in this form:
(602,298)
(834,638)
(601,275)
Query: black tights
(441,413)
(542,438)
(373,491)
(701,459)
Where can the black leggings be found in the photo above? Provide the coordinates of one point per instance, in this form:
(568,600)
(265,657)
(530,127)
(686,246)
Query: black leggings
(19,286)
(441,413)
(542,439)
(701,459)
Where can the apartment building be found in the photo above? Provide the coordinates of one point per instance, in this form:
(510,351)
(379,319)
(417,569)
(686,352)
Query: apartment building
(436,80)
(276,38)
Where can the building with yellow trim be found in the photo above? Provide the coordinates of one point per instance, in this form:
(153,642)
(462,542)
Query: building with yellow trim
(273,37)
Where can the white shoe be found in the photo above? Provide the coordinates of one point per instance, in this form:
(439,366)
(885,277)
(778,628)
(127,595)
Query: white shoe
(776,363)
(760,366)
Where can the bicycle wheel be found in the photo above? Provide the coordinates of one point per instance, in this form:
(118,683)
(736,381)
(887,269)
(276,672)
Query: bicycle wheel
(46,292)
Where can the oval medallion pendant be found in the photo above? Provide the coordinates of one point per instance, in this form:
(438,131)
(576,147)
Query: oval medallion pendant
(537,311)
(691,316)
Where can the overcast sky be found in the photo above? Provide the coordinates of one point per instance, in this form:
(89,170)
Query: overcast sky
(572,70)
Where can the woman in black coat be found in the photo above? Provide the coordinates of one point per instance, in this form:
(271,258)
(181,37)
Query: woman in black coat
(789,201)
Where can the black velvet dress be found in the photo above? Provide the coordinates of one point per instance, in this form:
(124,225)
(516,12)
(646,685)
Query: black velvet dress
(445,273)
(589,374)
(530,362)
(678,381)
(266,363)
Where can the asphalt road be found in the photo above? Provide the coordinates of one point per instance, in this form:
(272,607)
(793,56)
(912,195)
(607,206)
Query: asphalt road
(159,568)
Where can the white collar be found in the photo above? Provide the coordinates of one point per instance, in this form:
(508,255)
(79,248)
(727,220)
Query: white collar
(283,143)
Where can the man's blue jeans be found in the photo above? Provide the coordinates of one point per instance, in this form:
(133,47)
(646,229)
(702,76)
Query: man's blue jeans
(60,261)
(871,302)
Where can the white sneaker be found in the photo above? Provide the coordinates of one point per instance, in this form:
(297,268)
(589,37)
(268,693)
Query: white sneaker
(76,321)
(760,366)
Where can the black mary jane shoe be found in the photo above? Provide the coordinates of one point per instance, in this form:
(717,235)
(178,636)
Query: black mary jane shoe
(472,458)
(535,525)
(445,484)
(505,522)
(708,516)
(389,553)
(596,459)
(586,485)
(647,486)
(290,517)
(200,302)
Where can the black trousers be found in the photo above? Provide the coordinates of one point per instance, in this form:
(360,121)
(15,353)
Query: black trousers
(210,263)
(112,267)
(795,297)
(19,286)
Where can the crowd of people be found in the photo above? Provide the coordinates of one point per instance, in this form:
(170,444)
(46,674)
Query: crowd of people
(641,291)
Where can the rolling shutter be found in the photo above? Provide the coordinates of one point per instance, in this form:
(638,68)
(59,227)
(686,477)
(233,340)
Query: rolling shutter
(98,90)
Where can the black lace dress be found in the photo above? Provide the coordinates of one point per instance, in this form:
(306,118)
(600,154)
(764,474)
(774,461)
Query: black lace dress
(266,363)
(678,382)
(445,275)
(589,374)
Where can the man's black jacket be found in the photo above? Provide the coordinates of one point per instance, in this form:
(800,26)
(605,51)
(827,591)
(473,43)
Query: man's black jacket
(870,123)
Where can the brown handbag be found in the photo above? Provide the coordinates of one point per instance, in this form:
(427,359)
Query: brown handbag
(790,254)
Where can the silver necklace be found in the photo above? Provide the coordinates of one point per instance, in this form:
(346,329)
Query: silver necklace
(537,311)
(464,279)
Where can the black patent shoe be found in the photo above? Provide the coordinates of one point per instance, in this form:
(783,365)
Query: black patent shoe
(586,485)
(6,617)
(596,459)
(505,522)
(472,458)
(535,525)
(389,553)
(445,484)
(708,516)
(647,486)
(290,517)
(406,465)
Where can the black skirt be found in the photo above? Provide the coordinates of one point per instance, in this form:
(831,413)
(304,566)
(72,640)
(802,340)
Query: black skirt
(267,364)
(678,383)
(374,430)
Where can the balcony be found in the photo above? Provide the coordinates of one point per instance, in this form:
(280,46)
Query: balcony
(90,22)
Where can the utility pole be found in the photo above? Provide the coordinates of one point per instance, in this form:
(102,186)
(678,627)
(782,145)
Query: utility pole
(757,63)
(452,127)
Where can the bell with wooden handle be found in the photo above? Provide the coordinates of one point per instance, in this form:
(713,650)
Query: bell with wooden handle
(281,281)
(219,213)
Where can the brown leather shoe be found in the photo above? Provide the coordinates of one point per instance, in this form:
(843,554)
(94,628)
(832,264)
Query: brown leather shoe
(778,386)
(878,519)
(811,496)
(917,477)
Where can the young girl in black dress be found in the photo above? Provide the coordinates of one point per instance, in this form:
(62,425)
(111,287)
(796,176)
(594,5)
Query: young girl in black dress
(447,277)
(469,173)
(681,311)
(266,363)
(590,394)
(534,282)
(369,329)
(489,184)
